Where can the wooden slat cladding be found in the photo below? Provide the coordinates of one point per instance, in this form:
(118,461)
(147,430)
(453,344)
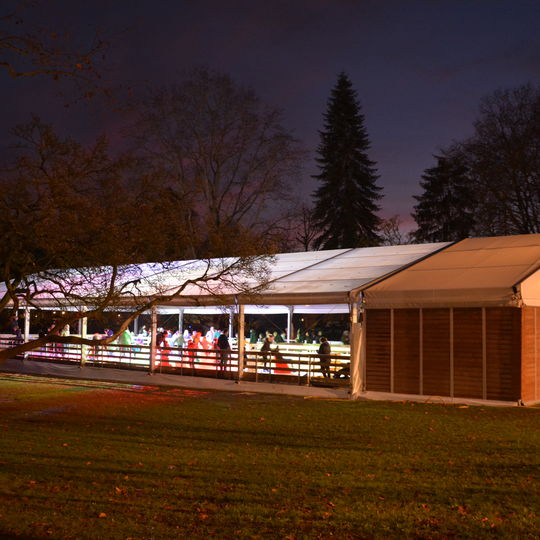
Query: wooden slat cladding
(537,355)
(436,351)
(503,349)
(378,350)
(468,352)
(504,366)
(407,351)
(530,350)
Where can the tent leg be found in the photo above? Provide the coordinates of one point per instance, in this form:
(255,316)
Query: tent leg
(181,321)
(357,342)
(231,322)
(26,333)
(153,340)
(290,324)
(241,341)
(84,331)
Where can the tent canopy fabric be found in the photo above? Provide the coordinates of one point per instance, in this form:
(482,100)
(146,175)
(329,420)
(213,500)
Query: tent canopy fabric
(473,272)
(320,277)
(306,279)
(336,273)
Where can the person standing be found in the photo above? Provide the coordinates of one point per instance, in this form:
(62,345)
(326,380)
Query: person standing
(224,350)
(324,357)
(210,335)
(266,349)
(125,339)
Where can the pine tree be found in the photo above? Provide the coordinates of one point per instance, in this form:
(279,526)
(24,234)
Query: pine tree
(346,201)
(445,210)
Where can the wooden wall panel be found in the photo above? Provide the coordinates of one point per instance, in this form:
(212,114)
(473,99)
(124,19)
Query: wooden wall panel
(503,349)
(468,363)
(537,355)
(378,350)
(511,362)
(436,352)
(529,353)
(407,351)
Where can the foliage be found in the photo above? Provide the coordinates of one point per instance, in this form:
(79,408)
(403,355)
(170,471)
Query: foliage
(31,49)
(95,460)
(488,184)
(346,200)
(303,229)
(504,162)
(390,232)
(446,209)
(224,155)
(76,222)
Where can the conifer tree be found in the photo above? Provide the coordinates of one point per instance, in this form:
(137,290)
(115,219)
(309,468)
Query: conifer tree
(346,200)
(445,210)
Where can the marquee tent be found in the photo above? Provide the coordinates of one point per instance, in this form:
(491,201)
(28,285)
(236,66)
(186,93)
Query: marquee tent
(464,322)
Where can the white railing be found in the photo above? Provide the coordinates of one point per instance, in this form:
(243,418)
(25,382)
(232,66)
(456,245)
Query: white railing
(289,364)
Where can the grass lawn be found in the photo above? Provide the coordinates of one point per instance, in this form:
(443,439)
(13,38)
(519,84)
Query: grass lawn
(91,460)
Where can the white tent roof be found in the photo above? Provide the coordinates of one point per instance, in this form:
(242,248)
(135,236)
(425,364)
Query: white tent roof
(473,272)
(322,277)
(305,279)
(328,277)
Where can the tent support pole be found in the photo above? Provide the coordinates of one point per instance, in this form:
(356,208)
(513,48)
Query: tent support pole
(451,352)
(392,351)
(231,322)
(153,340)
(357,342)
(181,321)
(484,354)
(26,330)
(290,323)
(421,351)
(26,324)
(241,341)
(84,331)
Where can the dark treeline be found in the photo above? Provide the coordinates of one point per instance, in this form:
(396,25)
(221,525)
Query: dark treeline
(488,184)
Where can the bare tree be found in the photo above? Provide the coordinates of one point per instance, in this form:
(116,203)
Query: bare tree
(227,158)
(504,162)
(304,228)
(390,232)
(76,223)
(28,49)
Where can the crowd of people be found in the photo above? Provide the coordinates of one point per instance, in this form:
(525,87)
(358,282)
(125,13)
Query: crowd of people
(217,340)
(212,340)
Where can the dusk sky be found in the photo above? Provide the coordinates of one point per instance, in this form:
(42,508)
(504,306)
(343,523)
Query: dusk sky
(420,67)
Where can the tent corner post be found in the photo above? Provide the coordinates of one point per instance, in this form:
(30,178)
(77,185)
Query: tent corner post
(84,334)
(241,342)
(153,340)
(357,343)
